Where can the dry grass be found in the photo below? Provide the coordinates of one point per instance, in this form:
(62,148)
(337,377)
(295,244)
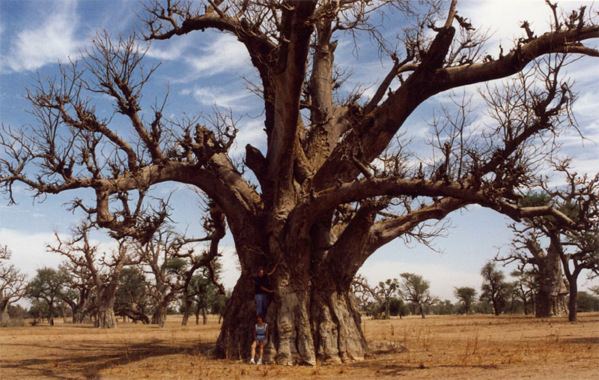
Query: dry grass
(457,347)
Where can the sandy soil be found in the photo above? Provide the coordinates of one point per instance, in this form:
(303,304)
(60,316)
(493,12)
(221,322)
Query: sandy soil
(441,347)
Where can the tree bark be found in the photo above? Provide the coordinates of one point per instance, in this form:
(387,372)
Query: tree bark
(3,314)
(51,316)
(550,297)
(159,316)
(105,318)
(317,322)
(572,303)
(186,311)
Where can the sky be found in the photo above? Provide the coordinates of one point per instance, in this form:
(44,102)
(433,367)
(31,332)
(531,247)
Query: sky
(202,70)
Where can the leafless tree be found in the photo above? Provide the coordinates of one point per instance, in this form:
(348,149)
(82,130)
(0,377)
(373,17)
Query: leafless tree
(570,251)
(546,267)
(336,180)
(80,290)
(12,282)
(168,257)
(102,268)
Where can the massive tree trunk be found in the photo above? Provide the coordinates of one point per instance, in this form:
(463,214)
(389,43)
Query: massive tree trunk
(105,318)
(551,294)
(159,316)
(312,316)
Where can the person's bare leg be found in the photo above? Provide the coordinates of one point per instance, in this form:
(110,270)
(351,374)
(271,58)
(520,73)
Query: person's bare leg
(253,351)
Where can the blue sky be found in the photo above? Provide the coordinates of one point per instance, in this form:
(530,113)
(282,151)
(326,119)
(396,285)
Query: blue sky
(202,70)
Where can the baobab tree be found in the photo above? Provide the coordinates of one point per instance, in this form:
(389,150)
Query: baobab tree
(335,179)
(569,251)
(551,288)
(102,268)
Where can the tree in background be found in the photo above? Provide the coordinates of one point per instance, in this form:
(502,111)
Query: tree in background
(12,283)
(578,248)
(77,294)
(525,289)
(466,295)
(214,225)
(571,248)
(102,268)
(379,301)
(132,298)
(494,288)
(543,264)
(47,287)
(587,302)
(413,288)
(385,292)
(336,178)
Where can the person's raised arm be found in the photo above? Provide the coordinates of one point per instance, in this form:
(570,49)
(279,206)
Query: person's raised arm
(274,269)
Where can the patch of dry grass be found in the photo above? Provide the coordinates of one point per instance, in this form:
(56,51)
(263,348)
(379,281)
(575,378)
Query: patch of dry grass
(435,347)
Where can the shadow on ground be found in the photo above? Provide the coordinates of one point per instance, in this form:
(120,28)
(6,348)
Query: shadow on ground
(89,359)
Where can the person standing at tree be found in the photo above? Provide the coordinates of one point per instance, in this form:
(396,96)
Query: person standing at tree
(262,290)
(260,338)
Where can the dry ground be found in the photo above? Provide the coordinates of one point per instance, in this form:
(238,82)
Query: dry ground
(456,347)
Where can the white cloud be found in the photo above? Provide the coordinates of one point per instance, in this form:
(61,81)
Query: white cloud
(218,96)
(171,50)
(29,250)
(251,132)
(46,41)
(223,53)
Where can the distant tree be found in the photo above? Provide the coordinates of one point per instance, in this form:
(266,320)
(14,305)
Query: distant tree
(466,295)
(103,269)
(170,263)
(587,302)
(38,311)
(574,246)
(131,298)
(444,307)
(204,290)
(12,283)
(376,301)
(413,288)
(47,287)
(397,307)
(385,292)
(364,294)
(525,289)
(79,290)
(494,288)
(544,264)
